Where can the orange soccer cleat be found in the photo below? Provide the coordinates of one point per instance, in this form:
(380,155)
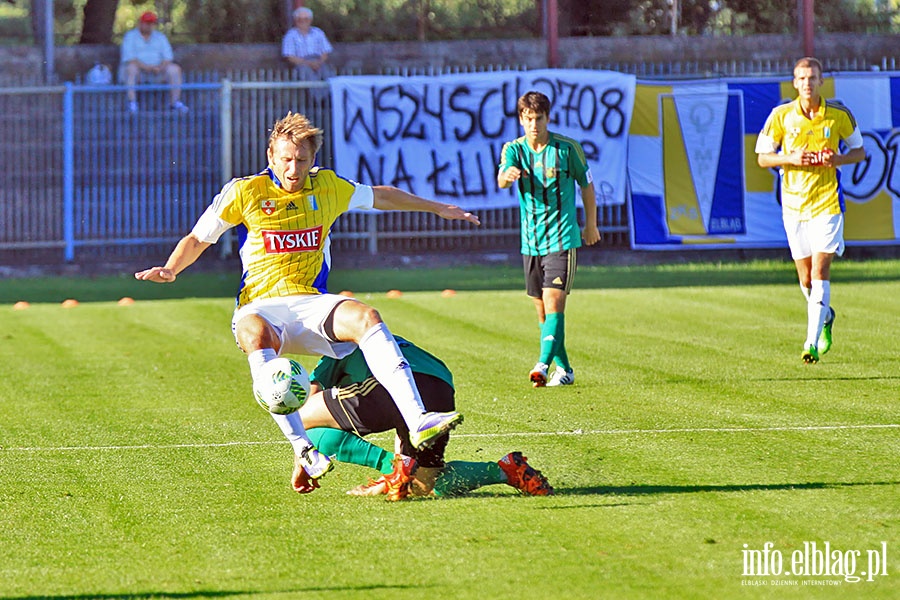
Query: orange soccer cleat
(524,477)
(398,481)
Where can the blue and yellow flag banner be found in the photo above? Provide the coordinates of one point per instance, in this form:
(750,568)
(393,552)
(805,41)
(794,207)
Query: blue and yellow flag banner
(692,169)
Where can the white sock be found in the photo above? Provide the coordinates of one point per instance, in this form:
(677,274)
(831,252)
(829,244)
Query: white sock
(292,427)
(392,371)
(805,291)
(258,358)
(817,310)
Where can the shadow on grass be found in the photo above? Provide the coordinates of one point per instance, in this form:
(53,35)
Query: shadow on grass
(206,594)
(829,378)
(645,490)
(142,596)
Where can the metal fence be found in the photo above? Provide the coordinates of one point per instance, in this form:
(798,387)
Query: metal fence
(83,179)
(698,69)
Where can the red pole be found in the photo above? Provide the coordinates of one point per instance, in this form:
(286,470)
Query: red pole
(552,34)
(808,27)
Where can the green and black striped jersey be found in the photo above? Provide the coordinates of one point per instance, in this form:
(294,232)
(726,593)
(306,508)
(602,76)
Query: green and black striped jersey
(546,192)
(333,372)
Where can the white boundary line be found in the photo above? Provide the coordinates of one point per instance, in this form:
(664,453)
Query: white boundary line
(481,435)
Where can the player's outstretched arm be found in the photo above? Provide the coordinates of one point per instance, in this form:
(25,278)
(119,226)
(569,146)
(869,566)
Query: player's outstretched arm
(391,198)
(184,255)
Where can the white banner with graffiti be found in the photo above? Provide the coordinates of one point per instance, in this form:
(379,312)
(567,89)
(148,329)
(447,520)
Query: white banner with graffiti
(693,171)
(440,136)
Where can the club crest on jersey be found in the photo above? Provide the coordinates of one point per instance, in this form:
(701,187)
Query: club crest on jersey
(267,206)
(297,240)
(551,172)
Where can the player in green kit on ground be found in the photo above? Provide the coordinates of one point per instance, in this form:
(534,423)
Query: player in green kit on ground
(346,402)
(547,167)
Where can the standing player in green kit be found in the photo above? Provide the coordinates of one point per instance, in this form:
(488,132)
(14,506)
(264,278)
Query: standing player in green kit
(547,166)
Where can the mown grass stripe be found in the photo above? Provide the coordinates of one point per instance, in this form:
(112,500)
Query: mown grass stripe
(478,435)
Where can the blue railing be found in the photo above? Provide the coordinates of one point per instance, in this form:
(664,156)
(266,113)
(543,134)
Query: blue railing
(80,171)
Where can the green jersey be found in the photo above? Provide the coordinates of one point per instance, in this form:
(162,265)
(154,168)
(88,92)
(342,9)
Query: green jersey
(332,372)
(546,192)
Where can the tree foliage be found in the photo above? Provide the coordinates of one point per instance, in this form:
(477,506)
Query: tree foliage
(265,21)
(725,17)
(394,20)
(99,18)
(235,21)
(603,17)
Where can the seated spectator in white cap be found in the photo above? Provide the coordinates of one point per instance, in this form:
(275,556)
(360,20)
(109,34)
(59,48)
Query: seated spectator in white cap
(147,57)
(307,48)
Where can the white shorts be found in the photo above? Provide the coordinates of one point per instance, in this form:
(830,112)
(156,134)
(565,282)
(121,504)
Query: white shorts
(300,323)
(823,234)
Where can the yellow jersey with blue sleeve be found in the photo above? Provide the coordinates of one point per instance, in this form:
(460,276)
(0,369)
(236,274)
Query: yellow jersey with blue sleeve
(809,191)
(286,250)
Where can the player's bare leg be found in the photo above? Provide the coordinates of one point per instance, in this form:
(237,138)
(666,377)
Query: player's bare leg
(360,323)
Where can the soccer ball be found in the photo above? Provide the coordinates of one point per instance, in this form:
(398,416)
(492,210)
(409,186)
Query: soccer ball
(282,386)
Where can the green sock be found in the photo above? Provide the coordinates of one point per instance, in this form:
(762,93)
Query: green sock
(350,448)
(549,339)
(551,331)
(459,477)
(561,357)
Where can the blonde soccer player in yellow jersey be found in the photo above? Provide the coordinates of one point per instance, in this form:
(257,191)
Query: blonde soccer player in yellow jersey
(802,139)
(283,306)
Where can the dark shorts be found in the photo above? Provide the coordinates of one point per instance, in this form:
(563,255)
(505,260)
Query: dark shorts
(555,270)
(368,408)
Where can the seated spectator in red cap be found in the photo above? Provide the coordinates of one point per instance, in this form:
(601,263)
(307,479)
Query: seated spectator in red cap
(147,57)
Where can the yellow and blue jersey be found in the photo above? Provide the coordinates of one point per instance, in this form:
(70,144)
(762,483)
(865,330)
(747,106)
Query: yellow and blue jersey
(286,250)
(809,191)
(546,192)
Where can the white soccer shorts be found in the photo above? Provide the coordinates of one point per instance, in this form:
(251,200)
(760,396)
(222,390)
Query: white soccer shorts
(822,234)
(299,322)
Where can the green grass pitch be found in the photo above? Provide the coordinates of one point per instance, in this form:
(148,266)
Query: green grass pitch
(135,464)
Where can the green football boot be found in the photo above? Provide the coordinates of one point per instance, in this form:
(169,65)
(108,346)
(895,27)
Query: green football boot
(810,355)
(825,339)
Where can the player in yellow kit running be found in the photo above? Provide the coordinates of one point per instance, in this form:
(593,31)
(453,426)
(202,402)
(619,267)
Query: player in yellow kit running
(802,140)
(283,306)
